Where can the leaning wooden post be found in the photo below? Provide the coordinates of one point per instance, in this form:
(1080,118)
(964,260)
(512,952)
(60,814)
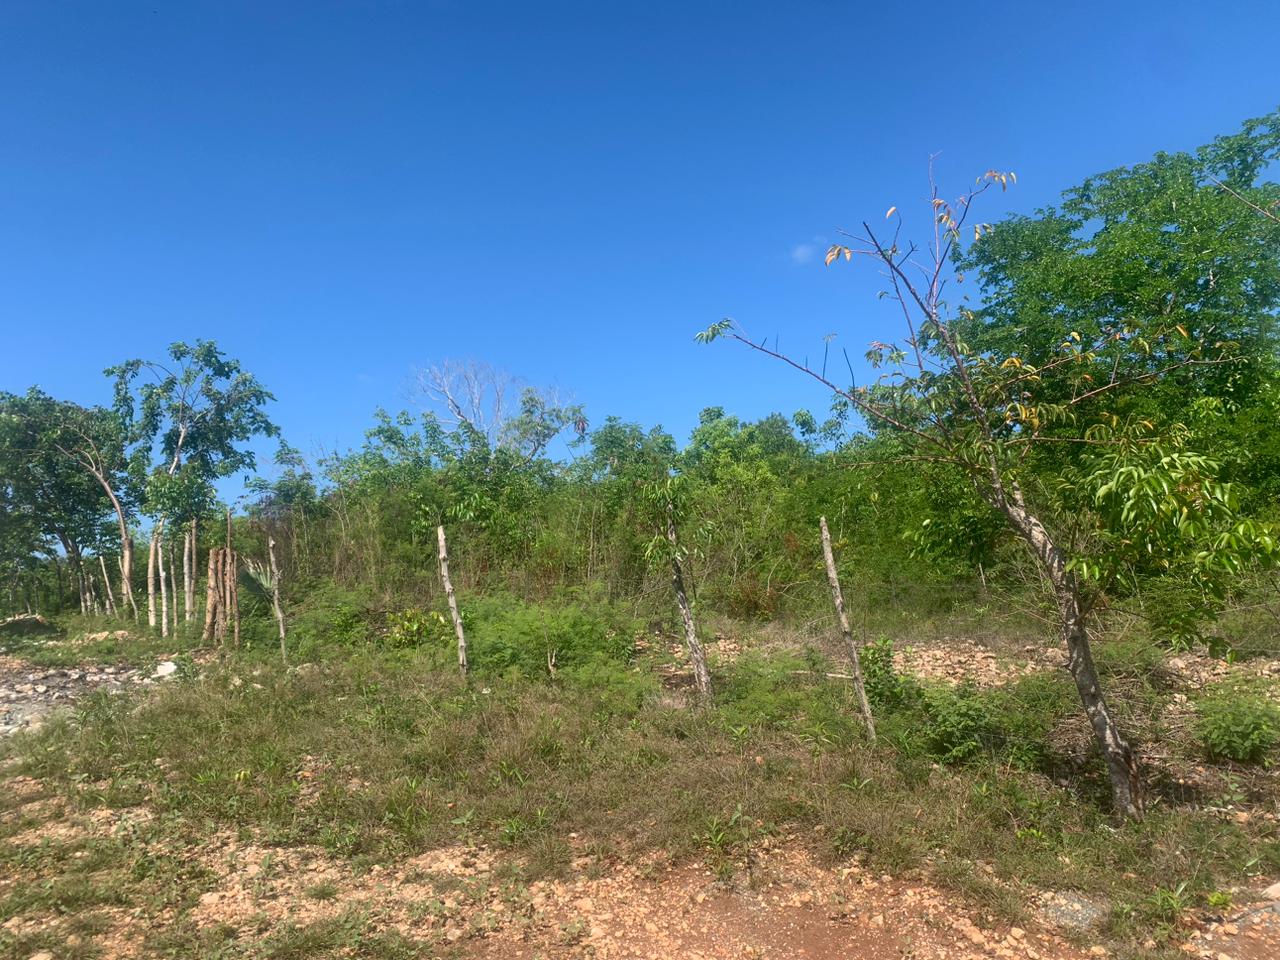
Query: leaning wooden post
(701,675)
(850,647)
(453,600)
(275,594)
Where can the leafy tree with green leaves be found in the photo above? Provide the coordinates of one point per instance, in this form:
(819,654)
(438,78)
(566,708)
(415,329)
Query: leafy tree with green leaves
(187,421)
(63,463)
(1077,364)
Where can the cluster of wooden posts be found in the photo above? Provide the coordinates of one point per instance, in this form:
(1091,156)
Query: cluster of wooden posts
(222,586)
(222,597)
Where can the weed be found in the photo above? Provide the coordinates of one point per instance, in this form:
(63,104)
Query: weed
(1241,727)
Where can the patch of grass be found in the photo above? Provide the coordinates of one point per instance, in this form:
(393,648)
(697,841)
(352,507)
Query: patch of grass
(378,753)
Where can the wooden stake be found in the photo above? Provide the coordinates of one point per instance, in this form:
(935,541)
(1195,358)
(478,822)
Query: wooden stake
(233,586)
(275,594)
(701,675)
(453,601)
(211,596)
(189,572)
(224,597)
(173,586)
(164,588)
(851,648)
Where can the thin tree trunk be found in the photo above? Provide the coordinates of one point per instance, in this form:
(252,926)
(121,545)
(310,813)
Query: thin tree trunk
(61,587)
(1122,764)
(275,595)
(126,546)
(164,586)
(697,657)
(72,551)
(151,582)
(235,599)
(106,582)
(188,573)
(173,586)
(453,600)
(233,585)
(850,647)
(211,595)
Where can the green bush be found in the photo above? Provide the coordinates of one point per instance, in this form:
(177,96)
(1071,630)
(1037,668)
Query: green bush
(961,724)
(1241,727)
(415,627)
(329,614)
(509,636)
(762,691)
(885,686)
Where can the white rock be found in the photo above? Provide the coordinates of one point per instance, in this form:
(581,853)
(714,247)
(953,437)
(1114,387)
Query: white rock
(165,669)
(1272,892)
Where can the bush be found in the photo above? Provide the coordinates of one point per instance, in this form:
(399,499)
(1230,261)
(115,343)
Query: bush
(1242,727)
(329,614)
(885,686)
(508,636)
(961,724)
(415,627)
(768,692)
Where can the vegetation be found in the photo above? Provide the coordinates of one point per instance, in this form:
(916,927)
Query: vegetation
(1069,447)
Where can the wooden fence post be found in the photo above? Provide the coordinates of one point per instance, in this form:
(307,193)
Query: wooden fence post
(453,600)
(698,657)
(850,647)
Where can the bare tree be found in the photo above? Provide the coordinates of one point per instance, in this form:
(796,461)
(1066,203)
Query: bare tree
(490,404)
(692,645)
(106,582)
(468,394)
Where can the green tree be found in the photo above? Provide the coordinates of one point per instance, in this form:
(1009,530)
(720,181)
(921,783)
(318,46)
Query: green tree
(187,422)
(998,391)
(62,463)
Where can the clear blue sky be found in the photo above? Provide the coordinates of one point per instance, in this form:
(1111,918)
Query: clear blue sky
(337,192)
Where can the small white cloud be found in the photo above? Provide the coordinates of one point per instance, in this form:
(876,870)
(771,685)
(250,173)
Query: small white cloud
(803,253)
(807,252)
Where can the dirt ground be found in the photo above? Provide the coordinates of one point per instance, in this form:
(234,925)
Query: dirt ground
(460,900)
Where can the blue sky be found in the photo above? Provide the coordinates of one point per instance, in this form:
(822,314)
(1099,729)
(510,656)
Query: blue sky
(337,192)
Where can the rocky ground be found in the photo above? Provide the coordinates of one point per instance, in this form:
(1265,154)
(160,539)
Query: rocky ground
(28,694)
